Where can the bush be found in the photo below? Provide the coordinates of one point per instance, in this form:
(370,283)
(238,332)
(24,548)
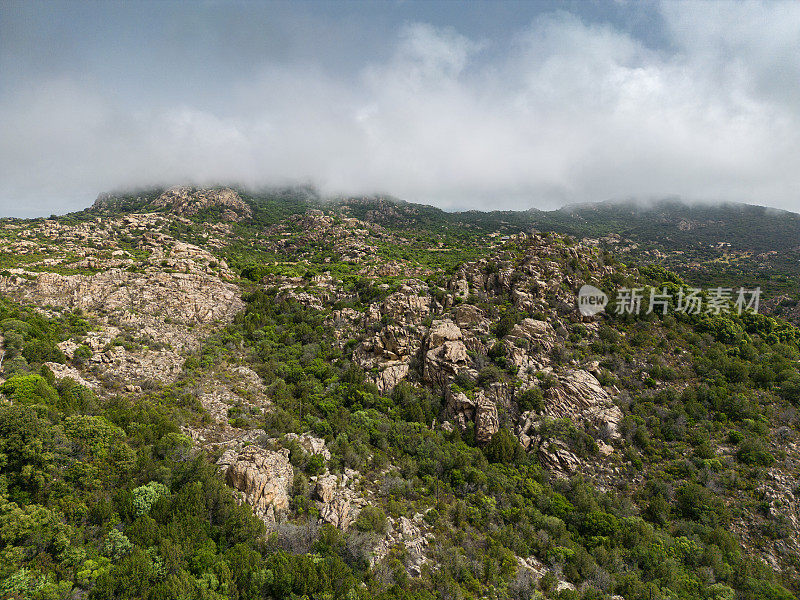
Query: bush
(115,545)
(696,503)
(146,495)
(503,447)
(82,352)
(372,518)
(754,453)
(488,375)
(30,389)
(531,399)
(790,389)
(509,318)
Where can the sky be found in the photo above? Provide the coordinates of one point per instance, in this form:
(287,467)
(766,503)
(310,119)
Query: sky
(463,105)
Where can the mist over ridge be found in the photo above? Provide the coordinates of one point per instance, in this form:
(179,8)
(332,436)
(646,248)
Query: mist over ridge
(568,105)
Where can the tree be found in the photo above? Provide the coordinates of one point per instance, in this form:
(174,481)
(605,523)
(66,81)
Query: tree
(503,447)
(146,495)
(372,518)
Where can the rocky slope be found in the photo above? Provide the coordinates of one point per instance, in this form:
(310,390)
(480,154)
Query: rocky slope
(496,340)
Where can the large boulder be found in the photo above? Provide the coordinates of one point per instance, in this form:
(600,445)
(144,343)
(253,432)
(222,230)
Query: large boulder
(480,409)
(263,478)
(446,354)
(579,396)
(337,501)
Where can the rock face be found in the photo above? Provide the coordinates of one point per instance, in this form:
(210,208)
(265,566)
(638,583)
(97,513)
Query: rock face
(487,422)
(392,374)
(540,333)
(149,303)
(446,355)
(171,309)
(410,535)
(61,371)
(410,304)
(555,456)
(480,409)
(337,501)
(182,297)
(311,444)
(262,476)
(187,202)
(389,351)
(580,397)
(466,315)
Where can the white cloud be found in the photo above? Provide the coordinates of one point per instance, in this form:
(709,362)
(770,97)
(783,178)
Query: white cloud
(567,112)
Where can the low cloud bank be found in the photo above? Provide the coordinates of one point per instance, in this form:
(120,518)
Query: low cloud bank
(566,112)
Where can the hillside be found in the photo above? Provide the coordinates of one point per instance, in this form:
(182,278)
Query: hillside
(215,393)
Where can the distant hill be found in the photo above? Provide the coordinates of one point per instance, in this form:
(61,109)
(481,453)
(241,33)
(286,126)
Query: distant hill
(672,224)
(677,224)
(706,243)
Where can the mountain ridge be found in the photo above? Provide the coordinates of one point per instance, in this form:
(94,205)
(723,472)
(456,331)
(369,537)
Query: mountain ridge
(302,402)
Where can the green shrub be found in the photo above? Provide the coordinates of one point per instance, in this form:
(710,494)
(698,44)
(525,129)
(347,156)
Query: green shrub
(30,389)
(503,447)
(753,452)
(115,545)
(146,495)
(372,518)
(531,399)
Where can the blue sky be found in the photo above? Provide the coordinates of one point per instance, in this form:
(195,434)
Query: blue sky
(458,104)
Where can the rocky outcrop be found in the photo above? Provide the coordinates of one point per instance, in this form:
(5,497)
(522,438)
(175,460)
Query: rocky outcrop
(469,316)
(411,304)
(65,371)
(446,355)
(487,422)
(186,298)
(167,307)
(480,408)
(263,478)
(555,456)
(781,495)
(337,501)
(140,365)
(187,202)
(538,334)
(408,534)
(580,397)
(388,353)
(393,372)
(311,444)
(238,388)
